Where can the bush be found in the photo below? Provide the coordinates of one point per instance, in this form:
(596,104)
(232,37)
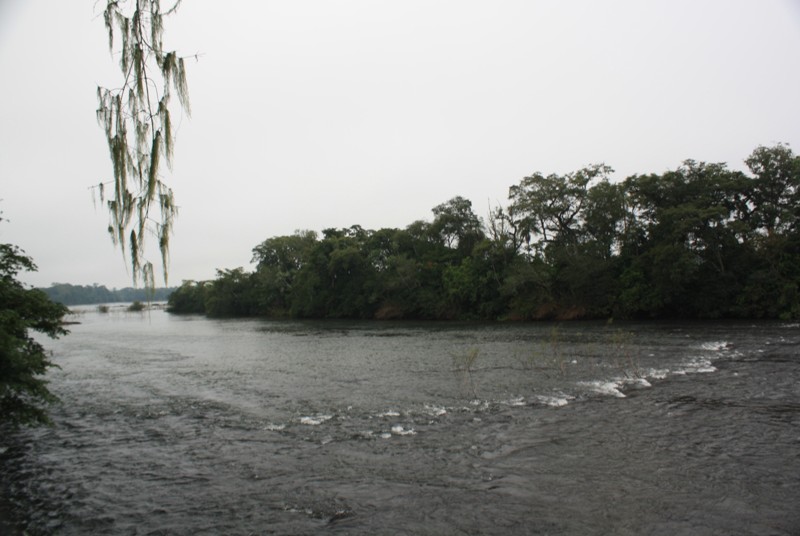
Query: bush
(136,307)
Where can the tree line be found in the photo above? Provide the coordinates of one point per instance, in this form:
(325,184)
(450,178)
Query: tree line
(91,294)
(700,241)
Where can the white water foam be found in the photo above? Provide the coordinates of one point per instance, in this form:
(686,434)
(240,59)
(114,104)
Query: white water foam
(316,420)
(657,374)
(715,346)
(516,402)
(398,429)
(699,364)
(554,401)
(636,382)
(703,363)
(479,405)
(274,427)
(435,411)
(605,388)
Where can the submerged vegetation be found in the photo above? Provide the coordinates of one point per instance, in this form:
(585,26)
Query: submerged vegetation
(701,241)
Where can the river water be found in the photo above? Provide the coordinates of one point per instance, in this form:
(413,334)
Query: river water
(186,425)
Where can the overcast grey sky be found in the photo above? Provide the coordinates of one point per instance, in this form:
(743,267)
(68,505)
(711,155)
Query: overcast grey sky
(328,113)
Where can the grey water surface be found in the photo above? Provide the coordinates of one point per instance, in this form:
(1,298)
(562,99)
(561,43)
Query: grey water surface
(186,425)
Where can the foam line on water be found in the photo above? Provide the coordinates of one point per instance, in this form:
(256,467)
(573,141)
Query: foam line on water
(554,401)
(315,420)
(610,388)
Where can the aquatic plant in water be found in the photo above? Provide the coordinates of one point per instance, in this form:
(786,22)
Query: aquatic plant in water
(620,348)
(546,355)
(463,362)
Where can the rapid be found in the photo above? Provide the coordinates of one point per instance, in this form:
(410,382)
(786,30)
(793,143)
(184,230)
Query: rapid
(187,425)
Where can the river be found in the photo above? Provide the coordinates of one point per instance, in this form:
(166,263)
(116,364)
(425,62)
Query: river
(186,425)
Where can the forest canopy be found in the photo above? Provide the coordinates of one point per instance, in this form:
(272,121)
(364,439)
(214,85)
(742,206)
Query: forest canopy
(700,241)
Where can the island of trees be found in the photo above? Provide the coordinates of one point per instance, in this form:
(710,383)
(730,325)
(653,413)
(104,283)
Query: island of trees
(702,241)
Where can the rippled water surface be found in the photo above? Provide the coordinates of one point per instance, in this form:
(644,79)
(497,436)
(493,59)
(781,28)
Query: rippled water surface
(184,425)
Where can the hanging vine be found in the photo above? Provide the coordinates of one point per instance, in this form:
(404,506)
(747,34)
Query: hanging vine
(137,121)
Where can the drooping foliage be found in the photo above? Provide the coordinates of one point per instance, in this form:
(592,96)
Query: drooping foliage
(23,360)
(137,120)
(700,241)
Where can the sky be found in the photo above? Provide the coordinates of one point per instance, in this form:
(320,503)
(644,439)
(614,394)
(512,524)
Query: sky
(330,113)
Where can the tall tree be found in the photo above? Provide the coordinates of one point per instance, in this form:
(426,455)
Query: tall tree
(137,120)
(550,209)
(278,261)
(776,191)
(456,225)
(773,283)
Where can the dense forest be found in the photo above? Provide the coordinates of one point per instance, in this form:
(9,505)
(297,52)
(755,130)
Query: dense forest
(67,294)
(702,241)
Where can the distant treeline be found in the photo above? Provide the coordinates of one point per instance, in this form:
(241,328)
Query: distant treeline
(701,241)
(87,295)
